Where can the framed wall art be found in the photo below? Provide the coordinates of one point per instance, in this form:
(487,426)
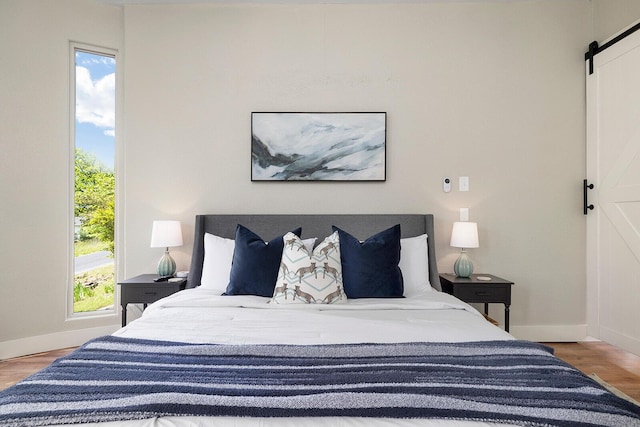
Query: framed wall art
(318,146)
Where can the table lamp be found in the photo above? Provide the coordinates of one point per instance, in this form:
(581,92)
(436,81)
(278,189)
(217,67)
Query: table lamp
(166,234)
(464,235)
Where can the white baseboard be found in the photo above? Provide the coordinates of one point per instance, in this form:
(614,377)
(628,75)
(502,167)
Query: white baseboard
(550,333)
(625,342)
(42,343)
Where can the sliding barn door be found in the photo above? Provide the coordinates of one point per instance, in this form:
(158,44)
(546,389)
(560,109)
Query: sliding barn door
(613,167)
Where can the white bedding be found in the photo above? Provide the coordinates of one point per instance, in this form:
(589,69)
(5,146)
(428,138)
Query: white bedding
(203,316)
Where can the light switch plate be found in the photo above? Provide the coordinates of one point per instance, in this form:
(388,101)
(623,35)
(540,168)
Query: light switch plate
(464,214)
(464,183)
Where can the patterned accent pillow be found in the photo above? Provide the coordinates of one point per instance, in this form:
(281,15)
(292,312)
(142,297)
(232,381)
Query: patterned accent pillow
(310,278)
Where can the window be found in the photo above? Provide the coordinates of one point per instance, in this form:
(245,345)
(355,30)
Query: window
(93,88)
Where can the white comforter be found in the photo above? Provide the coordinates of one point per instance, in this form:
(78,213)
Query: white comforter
(203,316)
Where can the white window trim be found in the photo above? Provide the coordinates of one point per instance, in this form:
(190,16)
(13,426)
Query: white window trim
(112,313)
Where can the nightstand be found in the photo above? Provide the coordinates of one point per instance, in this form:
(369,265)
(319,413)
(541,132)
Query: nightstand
(143,290)
(473,290)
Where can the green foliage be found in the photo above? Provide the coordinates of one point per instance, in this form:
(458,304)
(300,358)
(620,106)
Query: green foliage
(94,198)
(109,288)
(94,205)
(81,292)
(101,224)
(94,290)
(89,246)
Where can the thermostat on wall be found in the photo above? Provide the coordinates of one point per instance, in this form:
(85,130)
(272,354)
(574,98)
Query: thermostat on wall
(446,184)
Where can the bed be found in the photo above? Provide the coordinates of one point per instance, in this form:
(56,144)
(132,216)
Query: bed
(322,346)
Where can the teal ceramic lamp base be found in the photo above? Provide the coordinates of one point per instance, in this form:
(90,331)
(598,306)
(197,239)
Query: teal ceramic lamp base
(463,266)
(166,265)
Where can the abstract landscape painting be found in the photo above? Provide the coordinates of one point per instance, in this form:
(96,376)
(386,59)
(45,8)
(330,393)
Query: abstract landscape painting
(318,146)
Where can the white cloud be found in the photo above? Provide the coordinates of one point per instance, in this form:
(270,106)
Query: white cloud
(97,60)
(95,100)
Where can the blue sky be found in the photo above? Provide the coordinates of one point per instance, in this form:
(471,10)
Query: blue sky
(95,106)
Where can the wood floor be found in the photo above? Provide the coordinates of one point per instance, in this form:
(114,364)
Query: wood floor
(14,370)
(615,366)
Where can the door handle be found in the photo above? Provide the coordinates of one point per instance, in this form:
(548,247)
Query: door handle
(585,187)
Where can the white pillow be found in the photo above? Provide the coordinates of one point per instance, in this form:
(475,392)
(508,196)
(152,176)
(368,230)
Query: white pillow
(414,264)
(307,277)
(218,256)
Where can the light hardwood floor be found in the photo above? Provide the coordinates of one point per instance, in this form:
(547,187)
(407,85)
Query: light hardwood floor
(615,366)
(14,370)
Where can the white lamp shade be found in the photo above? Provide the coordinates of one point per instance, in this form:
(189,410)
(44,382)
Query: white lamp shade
(166,234)
(464,235)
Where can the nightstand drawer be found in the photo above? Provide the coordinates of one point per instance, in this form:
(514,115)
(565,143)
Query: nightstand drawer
(143,289)
(470,293)
(146,294)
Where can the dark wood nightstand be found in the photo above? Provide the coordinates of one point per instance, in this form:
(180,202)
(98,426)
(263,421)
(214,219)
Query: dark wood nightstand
(473,290)
(143,290)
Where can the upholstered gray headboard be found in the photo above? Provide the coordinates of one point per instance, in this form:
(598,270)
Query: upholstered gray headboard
(270,226)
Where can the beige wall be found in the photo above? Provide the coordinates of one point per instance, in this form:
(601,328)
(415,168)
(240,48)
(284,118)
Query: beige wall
(611,16)
(34,164)
(493,91)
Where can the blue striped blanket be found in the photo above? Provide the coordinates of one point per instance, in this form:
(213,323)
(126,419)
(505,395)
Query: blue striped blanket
(112,378)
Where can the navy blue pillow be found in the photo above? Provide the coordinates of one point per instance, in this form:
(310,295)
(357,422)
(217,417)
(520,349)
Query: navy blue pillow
(255,264)
(370,269)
